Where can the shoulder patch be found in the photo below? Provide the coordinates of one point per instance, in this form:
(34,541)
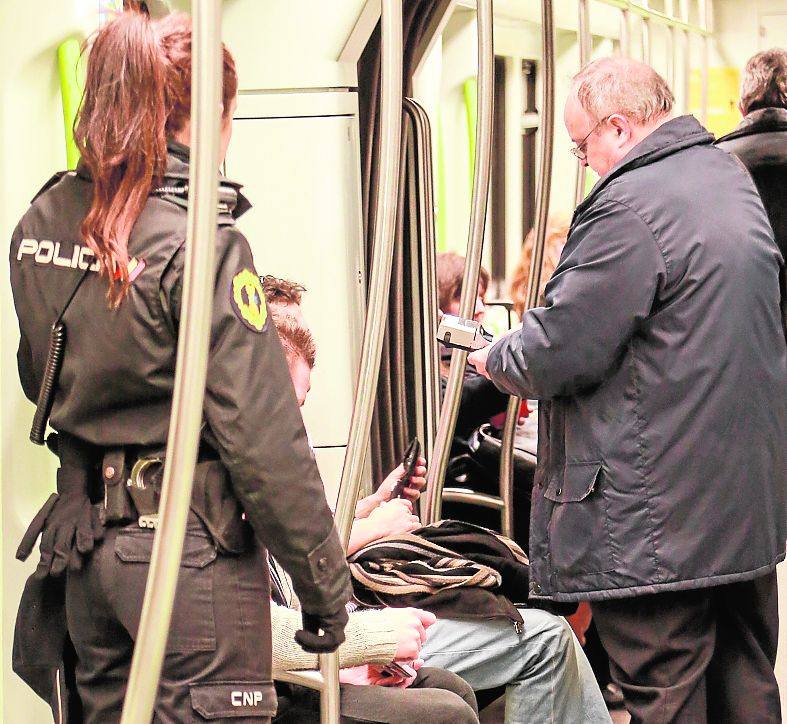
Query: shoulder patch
(248,301)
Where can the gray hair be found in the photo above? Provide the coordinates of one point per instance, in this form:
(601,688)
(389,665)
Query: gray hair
(625,86)
(764,82)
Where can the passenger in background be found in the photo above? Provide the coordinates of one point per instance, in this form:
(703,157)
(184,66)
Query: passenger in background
(450,274)
(283,296)
(557,232)
(660,364)
(760,141)
(545,672)
(481,400)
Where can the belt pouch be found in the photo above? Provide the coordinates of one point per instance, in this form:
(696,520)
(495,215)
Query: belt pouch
(214,503)
(118,507)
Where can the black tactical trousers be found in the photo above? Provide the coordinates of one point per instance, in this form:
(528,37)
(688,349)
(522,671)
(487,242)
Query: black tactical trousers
(691,657)
(218,654)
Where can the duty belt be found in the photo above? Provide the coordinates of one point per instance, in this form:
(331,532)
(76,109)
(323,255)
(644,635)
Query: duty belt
(145,496)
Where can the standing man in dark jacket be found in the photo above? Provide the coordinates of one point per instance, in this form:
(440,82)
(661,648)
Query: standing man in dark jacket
(760,141)
(661,363)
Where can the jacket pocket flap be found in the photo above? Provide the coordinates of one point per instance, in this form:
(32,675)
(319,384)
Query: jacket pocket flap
(234,700)
(133,546)
(577,482)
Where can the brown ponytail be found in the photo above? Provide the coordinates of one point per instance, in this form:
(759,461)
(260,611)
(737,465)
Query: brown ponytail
(120,134)
(137,92)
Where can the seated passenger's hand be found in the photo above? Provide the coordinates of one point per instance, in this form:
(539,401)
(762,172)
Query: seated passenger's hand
(375,675)
(410,625)
(414,487)
(393,517)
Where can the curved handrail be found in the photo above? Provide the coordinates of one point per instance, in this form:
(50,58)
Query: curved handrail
(481,173)
(537,259)
(191,367)
(585,51)
(428,263)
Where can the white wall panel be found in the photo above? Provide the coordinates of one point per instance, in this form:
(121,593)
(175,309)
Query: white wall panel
(302,175)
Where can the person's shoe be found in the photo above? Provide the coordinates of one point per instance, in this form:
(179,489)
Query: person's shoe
(613,696)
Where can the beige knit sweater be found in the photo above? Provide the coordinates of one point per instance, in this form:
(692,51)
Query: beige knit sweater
(369,639)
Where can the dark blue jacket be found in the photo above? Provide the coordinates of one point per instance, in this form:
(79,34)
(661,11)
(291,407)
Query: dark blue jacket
(661,359)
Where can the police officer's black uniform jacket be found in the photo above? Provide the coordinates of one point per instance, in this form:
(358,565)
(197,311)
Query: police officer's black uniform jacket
(117,375)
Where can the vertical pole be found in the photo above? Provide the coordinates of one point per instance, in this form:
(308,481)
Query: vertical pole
(705,50)
(585,51)
(625,34)
(386,200)
(687,72)
(482,169)
(537,259)
(191,366)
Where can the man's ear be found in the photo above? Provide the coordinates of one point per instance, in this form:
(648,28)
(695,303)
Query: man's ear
(621,125)
(740,109)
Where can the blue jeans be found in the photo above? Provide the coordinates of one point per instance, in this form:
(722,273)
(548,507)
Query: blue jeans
(546,673)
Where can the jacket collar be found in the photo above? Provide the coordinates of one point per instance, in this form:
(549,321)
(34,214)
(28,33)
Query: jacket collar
(177,173)
(763,120)
(671,137)
(178,156)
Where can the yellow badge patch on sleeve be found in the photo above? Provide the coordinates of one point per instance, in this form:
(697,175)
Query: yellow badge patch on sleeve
(248,301)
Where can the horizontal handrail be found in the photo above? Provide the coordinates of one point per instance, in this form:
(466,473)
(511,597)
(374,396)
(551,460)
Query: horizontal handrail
(656,15)
(462,495)
(650,14)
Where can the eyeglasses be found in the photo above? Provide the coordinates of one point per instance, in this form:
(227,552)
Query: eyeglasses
(579,149)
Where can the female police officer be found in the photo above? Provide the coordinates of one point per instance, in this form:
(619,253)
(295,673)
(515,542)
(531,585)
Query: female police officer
(102,251)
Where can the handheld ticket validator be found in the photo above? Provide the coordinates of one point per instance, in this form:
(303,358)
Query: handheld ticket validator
(459,333)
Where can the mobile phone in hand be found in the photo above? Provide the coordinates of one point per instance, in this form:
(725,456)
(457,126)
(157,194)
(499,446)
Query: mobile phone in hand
(405,671)
(409,461)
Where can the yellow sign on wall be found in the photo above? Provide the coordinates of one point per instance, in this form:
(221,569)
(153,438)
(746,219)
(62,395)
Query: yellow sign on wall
(723,93)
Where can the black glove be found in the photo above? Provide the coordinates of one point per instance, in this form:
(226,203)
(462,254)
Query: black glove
(332,635)
(69,526)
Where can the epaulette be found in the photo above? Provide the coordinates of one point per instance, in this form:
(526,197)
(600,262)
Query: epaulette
(49,184)
(230,200)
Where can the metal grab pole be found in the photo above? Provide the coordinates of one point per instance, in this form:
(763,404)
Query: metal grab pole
(191,368)
(704,48)
(585,51)
(537,258)
(481,173)
(625,34)
(422,136)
